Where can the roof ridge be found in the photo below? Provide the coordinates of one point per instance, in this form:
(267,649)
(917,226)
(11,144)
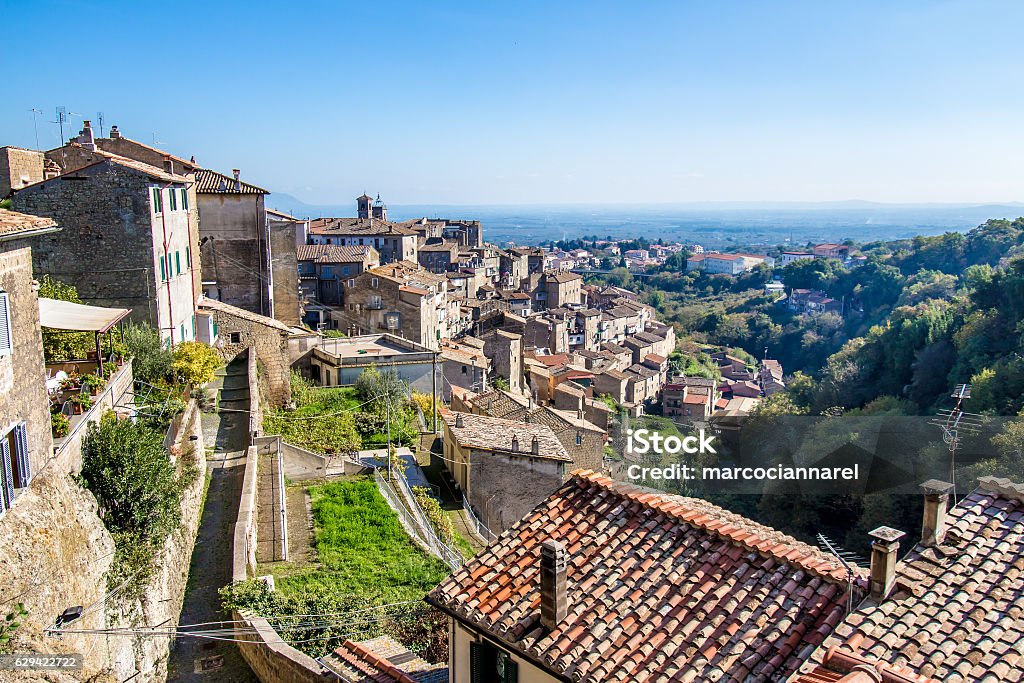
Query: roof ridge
(1002,486)
(676,507)
(377,661)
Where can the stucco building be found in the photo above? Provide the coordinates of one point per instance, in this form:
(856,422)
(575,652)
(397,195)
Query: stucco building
(248,259)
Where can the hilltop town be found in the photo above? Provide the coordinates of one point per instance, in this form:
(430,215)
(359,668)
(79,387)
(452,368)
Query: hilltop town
(354,448)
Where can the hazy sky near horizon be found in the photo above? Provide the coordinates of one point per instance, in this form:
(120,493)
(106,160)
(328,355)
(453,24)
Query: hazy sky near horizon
(544,102)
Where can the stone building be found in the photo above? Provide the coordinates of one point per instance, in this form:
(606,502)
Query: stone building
(22,167)
(402,299)
(392,242)
(505,351)
(504,467)
(440,257)
(126,239)
(463,365)
(324,269)
(236,329)
(25,441)
(555,289)
(248,260)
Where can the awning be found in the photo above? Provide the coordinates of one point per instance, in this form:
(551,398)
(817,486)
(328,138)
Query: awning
(64,315)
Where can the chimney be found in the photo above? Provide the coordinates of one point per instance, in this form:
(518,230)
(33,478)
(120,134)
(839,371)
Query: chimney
(459,422)
(884,547)
(115,134)
(168,164)
(535,446)
(85,137)
(515,443)
(238,183)
(936,498)
(553,599)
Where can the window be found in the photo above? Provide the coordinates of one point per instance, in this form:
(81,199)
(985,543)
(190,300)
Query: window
(184,199)
(351,284)
(6,335)
(183,332)
(579,438)
(488,664)
(345,270)
(15,468)
(463,369)
(173,196)
(235,337)
(374,282)
(163,270)
(158,201)
(177,260)
(188,256)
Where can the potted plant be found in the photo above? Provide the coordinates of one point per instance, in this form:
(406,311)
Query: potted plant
(94,384)
(60,425)
(80,403)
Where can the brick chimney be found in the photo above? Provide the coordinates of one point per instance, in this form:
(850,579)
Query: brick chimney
(168,163)
(115,134)
(238,182)
(884,549)
(535,446)
(459,422)
(936,500)
(554,603)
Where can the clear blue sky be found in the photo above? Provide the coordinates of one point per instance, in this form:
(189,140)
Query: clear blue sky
(538,102)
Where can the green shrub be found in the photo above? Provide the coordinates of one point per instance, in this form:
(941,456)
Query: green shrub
(195,362)
(60,425)
(439,519)
(152,361)
(138,489)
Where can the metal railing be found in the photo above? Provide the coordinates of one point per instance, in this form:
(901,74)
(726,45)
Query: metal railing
(425,536)
(478,526)
(283,502)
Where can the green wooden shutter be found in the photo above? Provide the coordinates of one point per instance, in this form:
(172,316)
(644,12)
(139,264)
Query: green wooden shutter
(163,269)
(6,336)
(174,199)
(24,466)
(508,671)
(188,256)
(177,260)
(184,199)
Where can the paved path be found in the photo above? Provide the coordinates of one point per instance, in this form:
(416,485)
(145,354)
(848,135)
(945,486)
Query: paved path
(210,568)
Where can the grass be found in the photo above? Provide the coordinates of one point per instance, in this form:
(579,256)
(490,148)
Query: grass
(362,548)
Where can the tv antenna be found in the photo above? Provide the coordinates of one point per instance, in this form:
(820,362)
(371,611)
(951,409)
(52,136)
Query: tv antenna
(99,120)
(35,126)
(846,558)
(63,116)
(955,422)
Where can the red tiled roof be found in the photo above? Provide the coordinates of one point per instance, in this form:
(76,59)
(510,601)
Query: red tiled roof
(554,360)
(957,613)
(14,223)
(382,660)
(696,400)
(660,588)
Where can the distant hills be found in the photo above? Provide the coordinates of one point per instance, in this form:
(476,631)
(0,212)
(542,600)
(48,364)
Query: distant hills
(713,224)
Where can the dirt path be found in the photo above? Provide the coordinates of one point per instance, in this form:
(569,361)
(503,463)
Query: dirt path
(195,660)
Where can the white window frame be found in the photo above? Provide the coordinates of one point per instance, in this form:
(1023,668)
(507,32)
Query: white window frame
(6,333)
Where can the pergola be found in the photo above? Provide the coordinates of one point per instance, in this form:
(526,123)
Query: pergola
(71,317)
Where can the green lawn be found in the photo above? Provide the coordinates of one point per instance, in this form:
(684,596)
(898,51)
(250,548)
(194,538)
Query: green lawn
(362,549)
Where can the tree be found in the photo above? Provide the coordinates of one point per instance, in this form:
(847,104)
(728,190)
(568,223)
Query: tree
(152,361)
(195,362)
(382,390)
(59,345)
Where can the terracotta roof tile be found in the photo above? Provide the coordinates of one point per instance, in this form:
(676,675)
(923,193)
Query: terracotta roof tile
(661,588)
(382,660)
(495,434)
(13,223)
(954,603)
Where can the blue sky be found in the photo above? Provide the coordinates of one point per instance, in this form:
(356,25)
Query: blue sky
(545,102)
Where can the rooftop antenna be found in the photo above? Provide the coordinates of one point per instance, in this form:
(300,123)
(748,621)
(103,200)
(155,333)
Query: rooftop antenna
(157,142)
(99,120)
(847,559)
(954,423)
(35,126)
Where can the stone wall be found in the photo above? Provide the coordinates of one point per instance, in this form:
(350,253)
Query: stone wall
(106,246)
(22,373)
(57,553)
(504,488)
(18,168)
(266,338)
(273,661)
